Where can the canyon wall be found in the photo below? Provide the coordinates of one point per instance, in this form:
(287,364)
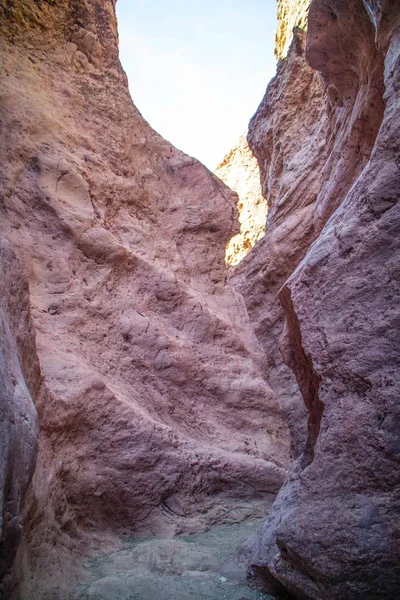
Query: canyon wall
(169,398)
(311,140)
(239,171)
(19,381)
(155,412)
(327,140)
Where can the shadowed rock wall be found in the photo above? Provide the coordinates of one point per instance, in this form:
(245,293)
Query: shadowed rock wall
(332,532)
(19,382)
(155,407)
(311,140)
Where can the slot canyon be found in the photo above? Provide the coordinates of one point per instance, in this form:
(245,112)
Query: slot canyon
(176,424)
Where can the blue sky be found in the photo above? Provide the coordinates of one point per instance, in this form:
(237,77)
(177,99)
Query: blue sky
(197,70)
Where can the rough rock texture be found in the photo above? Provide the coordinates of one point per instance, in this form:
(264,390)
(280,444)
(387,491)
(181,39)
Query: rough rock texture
(311,140)
(239,171)
(291,15)
(291,112)
(156,416)
(333,533)
(19,381)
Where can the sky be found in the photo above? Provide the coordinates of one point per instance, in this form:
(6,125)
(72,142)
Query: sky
(197,70)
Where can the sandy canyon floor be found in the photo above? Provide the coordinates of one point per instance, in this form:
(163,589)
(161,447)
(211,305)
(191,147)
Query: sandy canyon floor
(185,567)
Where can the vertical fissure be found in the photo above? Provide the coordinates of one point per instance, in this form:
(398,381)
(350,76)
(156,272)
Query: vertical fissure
(294,355)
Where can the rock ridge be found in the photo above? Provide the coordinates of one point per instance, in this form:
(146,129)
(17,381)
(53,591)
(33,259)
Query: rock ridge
(308,380)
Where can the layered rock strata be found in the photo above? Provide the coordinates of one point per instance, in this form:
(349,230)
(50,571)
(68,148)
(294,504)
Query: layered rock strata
(157,416)
(239,171)
(333,533)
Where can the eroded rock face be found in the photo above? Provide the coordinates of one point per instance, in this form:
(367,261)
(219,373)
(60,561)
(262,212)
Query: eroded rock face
(333,532)
(311,140)
(157,416)
(292,109)
(291,15)
(239,171)
(155,411)
(19,382)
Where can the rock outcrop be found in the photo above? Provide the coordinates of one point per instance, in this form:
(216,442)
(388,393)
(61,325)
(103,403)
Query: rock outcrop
(19,382)
(291,15)
(286,136)
(239,171)
(333,533)
(156,415)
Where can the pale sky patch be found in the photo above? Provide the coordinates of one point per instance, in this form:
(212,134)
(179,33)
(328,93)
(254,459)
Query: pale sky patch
(198,74)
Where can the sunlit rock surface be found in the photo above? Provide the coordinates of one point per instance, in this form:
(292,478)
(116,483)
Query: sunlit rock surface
(290,15)
(239,170)
(157,417)
(333,532)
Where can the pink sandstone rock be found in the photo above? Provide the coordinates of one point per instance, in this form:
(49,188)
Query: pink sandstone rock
(311,144)
(239,170)
(19,382)
(333,531)
(157,416)
(150,372)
